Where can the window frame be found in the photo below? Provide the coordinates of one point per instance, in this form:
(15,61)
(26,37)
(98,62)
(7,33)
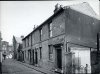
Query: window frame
(50,29)
(40,33)
(40,52)
(50,51)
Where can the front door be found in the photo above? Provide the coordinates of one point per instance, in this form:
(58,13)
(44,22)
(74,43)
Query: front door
(33,56)
(36,58)
(30,56)
(58,57)
(59,61)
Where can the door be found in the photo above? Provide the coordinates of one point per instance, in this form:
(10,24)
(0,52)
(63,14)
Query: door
(58,56)
(30,56)
(33,56)
(59,61)
(36,58)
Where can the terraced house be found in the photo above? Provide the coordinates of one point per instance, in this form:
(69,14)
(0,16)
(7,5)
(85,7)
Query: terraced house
(66,42)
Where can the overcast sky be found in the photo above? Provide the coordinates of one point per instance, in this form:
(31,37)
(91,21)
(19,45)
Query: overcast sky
(19,17)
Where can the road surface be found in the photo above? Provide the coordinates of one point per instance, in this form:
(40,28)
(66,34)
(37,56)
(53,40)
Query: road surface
(10,66)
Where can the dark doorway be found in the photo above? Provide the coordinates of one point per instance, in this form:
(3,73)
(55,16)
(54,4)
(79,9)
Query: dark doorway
(36,58)
(30,56)
(22,56)
(59,56)
(33,56)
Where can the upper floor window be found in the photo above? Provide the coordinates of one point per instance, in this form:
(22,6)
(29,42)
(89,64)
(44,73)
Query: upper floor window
(25,43)
(31,40)
(50,29)
(28,41)
(40,33)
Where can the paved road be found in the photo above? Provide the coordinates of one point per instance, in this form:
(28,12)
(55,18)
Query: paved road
(10,66)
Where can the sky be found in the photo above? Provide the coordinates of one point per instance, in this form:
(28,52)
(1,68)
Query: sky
(19,17)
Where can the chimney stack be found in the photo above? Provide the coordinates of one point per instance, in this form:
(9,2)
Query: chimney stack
(22,36)
(34,27)
(57,7)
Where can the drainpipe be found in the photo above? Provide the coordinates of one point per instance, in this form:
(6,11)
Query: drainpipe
(98,35)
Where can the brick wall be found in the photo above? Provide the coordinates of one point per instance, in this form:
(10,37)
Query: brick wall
(45,32)
(58,25)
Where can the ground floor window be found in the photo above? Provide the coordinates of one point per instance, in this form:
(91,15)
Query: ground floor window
(50,52)
(40,52)
(25,53)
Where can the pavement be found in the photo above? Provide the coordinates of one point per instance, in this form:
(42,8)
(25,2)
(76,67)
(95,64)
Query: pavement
(10,66)
(40,69)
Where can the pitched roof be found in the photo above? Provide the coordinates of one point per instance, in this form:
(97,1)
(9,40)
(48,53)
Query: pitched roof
(18,39)
(86,9)
(52,16)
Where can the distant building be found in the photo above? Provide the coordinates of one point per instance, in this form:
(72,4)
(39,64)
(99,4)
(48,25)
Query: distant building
(10,49)
(5,45)
(6,48)
(66,42)
(17,48)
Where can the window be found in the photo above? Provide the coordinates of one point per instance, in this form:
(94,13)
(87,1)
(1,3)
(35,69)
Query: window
(50,52)
(40,33)
(50,29)
(25,53)
(31,40)
(28,41)
(25,43)
(40,52)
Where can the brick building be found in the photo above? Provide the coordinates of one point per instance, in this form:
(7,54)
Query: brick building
(65,40)
(5,45)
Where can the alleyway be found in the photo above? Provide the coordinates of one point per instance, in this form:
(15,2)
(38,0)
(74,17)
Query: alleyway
(10,66)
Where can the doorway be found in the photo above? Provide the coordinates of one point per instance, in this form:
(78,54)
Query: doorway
(36,58)
(58,56)
(30,56)
(33,56)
